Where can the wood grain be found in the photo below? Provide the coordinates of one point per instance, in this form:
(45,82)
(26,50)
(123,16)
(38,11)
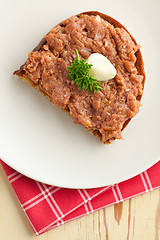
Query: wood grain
(135,219)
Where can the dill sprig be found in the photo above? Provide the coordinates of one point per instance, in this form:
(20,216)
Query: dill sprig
(79,73)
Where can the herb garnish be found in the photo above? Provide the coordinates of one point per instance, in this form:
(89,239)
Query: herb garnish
(79,73)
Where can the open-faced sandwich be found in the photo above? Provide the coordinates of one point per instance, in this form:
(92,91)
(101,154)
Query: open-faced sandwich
(91,67)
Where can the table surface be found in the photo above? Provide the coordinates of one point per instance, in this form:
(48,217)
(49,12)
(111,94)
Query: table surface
(135,219)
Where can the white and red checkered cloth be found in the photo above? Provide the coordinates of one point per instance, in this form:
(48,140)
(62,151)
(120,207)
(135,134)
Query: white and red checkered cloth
(47,206)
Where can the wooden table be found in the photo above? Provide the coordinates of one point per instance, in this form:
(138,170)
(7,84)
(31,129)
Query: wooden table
(135,219)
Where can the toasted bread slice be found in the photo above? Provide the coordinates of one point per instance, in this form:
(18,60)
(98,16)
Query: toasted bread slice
(88,33)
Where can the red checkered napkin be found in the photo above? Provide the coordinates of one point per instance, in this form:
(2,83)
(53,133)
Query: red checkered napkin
(47,206)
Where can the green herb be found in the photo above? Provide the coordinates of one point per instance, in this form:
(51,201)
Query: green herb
(79,73)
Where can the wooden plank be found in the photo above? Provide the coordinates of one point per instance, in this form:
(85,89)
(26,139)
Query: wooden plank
(143,218)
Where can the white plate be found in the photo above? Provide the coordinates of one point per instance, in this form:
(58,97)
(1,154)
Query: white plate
(40,140)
